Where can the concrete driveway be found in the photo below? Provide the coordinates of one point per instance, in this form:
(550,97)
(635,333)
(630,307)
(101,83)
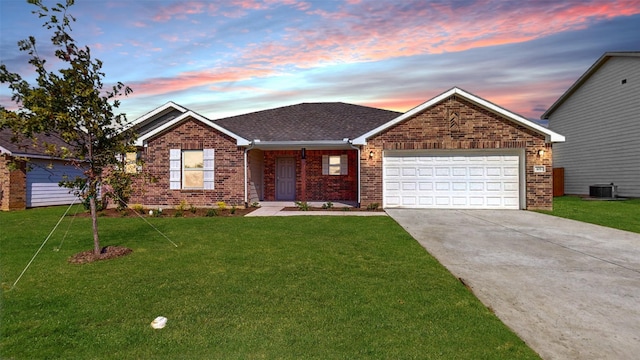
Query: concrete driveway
(570,290)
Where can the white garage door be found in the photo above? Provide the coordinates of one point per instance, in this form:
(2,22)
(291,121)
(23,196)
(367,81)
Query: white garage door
(452,182)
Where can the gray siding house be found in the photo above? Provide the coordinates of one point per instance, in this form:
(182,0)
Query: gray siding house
(33,183)
(600,118)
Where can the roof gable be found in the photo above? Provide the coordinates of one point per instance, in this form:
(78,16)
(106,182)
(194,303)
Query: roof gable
(582,79)
(168,125)
(550,136)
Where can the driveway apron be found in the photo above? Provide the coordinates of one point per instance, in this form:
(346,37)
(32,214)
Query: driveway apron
(569,289)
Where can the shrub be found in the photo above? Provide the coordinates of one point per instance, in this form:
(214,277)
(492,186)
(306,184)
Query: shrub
(222,205)
(211,213)
(137,208)
(178,214)
(182,206)
(255,204)
(157,213)
(302,205)
(327,205)
(373,206)
(192,209)
(233,209)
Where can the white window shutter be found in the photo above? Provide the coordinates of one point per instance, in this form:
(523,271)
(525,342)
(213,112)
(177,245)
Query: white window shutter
(208,155)
(325,164)
(344,164)
(175,169)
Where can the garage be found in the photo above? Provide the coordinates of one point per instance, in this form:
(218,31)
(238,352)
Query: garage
(451,180)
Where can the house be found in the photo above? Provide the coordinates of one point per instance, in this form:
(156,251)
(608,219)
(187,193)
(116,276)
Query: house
(29,176)
(453,151)
(600,116)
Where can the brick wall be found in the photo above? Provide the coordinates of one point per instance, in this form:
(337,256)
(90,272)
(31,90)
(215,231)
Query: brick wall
(13,185)
(473,128)
(151,187)
(316,187)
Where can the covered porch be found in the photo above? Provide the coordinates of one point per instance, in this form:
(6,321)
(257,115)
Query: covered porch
(313,173)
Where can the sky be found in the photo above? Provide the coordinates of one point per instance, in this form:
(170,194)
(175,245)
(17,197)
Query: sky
(231,57)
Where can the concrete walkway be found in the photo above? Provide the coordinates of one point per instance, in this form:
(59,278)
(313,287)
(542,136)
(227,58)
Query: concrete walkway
(276,208)
(570,290)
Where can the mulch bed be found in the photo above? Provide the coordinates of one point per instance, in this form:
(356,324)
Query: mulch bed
(199,212)
(108,252)
(340,209)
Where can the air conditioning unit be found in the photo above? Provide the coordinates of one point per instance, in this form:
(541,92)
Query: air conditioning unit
(603,190)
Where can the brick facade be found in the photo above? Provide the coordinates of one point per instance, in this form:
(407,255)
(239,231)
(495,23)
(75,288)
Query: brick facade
(13,185)
(151,187)
(471,128)
(311,185)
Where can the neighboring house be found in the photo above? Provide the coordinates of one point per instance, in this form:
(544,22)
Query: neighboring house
(29,177)
(600,116)
(453,151)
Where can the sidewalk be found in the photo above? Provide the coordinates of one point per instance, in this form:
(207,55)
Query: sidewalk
(277,209)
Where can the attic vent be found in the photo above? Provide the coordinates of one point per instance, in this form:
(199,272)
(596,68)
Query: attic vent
(624,81)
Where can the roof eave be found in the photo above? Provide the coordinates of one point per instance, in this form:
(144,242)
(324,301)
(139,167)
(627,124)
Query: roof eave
(157,111)
(296,145)
(584,77)
(240,141)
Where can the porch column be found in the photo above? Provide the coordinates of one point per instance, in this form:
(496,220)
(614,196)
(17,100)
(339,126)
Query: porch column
(303,175)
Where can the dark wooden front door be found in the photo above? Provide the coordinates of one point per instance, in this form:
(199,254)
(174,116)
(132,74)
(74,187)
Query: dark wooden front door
(285,178)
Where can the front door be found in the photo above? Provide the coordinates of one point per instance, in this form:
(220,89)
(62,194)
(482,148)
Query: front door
(285,178)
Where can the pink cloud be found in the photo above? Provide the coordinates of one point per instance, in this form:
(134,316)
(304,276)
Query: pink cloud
(193,79)
(249,4)
(395,104)
(180,10)
(363,33)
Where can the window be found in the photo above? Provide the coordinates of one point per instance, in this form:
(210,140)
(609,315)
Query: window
(191,169)
(131,163)
(335,165)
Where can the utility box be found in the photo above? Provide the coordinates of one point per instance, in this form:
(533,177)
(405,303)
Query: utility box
(603,190)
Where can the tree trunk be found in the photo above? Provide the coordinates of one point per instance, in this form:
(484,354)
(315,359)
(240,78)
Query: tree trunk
(94,221)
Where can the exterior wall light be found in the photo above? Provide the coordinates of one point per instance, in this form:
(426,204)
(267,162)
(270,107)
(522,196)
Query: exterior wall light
(540,152)
(371,154)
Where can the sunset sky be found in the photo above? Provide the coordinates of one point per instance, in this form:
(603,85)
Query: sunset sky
(223,58)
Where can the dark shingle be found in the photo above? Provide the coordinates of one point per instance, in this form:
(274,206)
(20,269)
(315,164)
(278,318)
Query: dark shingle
(25,146)
(308,122)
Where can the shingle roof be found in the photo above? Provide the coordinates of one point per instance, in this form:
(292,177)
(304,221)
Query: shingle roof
(308,122)
(28,147)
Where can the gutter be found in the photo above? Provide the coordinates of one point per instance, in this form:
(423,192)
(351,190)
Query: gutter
(295,145)
(246,177)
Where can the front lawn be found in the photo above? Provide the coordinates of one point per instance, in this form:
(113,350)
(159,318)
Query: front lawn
(237,288)
(619,214)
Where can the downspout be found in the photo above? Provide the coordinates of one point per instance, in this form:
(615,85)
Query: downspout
(357,148)
(246,177)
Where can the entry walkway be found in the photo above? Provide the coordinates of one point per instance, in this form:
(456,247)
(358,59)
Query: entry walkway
(569,289)
(276,208)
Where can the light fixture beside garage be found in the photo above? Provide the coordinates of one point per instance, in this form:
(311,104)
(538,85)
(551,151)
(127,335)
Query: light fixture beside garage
(541,152)
(371,154)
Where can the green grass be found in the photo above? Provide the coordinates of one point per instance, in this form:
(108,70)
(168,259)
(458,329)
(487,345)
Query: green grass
(237,288)
(624,215)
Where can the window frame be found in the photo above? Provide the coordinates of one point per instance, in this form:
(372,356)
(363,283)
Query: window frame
(341,168)
(177,169)
(197,169)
